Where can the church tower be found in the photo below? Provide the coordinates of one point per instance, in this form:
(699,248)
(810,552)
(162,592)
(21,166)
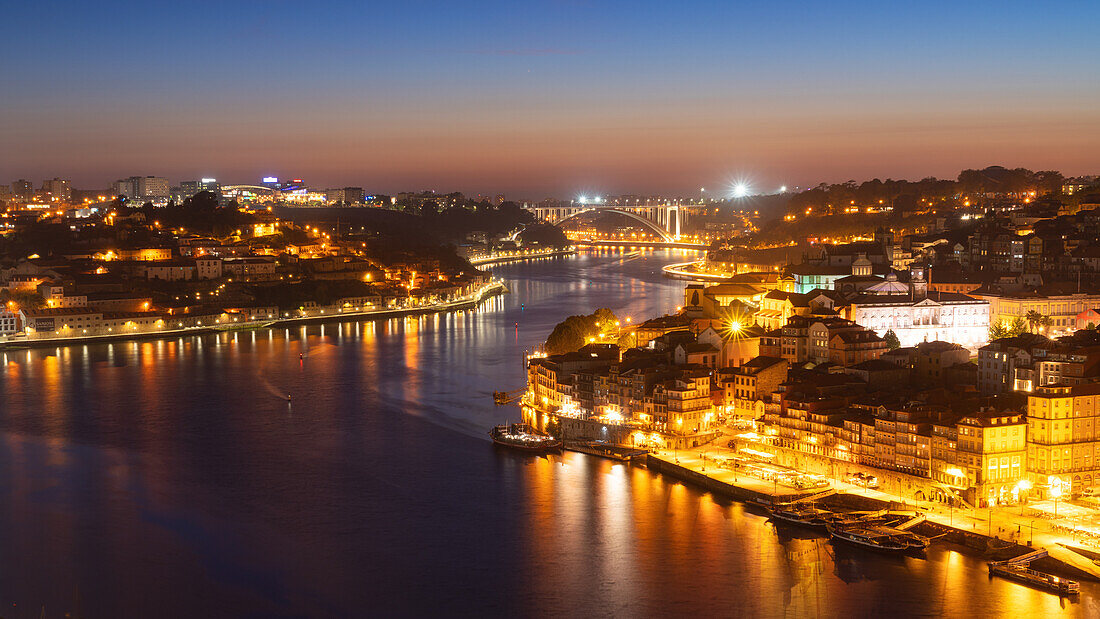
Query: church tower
(917,282)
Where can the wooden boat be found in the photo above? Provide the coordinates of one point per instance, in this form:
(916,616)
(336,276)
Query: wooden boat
(801,514)
(521,437)
(877,537)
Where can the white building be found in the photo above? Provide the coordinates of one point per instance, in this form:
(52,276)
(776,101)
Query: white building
(208,268)
(9,322)
(915,316)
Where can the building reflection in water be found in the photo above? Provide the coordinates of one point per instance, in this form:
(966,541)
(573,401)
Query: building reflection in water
(134,471)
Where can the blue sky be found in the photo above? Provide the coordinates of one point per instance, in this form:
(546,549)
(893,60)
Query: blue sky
(539,98)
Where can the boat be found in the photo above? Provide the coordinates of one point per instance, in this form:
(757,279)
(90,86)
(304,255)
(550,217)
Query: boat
(1019,569)
(522,437)
(1026,575)
(801,514)
(879,537)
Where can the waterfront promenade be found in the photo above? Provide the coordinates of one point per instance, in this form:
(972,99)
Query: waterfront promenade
(521,254)
(685,270)
(640,244)
(1029,525)
(465,302)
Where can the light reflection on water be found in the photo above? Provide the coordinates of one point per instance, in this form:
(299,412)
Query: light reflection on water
(172,478)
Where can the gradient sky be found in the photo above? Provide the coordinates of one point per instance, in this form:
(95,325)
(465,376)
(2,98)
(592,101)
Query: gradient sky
(537,99)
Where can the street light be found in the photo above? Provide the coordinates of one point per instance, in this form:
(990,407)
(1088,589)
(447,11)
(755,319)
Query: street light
(1021,487)
(1055,491)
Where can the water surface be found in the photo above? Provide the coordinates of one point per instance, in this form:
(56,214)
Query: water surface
(171,478)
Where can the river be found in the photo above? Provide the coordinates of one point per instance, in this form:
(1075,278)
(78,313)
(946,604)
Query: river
(172,478)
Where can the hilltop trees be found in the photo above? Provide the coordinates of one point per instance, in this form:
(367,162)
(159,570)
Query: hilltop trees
(575,331)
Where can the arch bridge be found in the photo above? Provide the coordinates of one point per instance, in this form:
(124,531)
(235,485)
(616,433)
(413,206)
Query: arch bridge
(665,219)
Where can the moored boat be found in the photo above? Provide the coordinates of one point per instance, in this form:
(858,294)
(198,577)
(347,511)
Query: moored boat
(1022,573)
(803,515)
(879,538)
(522,437)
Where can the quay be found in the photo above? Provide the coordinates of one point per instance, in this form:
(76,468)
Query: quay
(970,528)
(622,453)
(489,290)
(519,255)
(641,244)
(681,270)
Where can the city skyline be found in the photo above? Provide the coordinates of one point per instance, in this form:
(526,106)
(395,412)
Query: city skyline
(554,99)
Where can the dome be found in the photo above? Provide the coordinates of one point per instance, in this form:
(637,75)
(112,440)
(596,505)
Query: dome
(890,286)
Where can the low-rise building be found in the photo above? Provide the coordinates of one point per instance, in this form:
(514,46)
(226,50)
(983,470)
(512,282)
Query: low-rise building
(168,270)
(252,268)
(747,385)
(9,322)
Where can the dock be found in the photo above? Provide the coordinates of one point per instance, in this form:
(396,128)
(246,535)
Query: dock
(1019,569)
(622,453)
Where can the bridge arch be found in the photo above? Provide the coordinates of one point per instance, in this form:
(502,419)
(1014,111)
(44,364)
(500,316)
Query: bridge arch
(638,218)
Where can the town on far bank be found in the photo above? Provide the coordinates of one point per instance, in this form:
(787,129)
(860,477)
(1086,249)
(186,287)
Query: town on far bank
(87,265)
(957,368)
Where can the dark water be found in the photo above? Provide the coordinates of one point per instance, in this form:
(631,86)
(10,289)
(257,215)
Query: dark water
(172,479)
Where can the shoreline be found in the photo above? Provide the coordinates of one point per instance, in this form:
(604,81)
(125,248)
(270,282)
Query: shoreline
(569,251)
(961,529)
(490,290)
(642,245)
(978,532)
(678,271)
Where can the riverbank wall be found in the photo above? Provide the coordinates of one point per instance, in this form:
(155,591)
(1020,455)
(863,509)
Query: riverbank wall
(1063,561)
(642,245)
(518,257)
(494,289)
(739,492)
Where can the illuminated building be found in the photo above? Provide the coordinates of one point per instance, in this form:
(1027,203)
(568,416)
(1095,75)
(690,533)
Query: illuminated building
(1061,303)
(1029,361)
(720,300)
(682,404)
(347,196)
(991,454)
(186,189)
(22,189)
(59,189)
(915,316)
(821,339)
(778,307)
(748,384)
(143,189)
(1063,438)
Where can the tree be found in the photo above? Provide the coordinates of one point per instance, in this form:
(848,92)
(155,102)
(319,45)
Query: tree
(544,234)
(574,332)
(1018,327)
(1034,320)
(553,427)
(997,331)
(1049,182)
(892,341)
